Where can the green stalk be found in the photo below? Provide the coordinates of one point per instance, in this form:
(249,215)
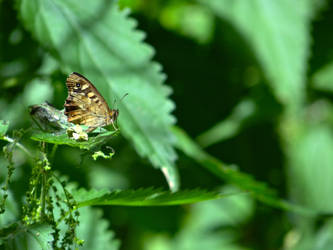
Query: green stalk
(43,193)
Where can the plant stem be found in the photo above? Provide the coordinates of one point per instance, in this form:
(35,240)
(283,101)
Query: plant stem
(54,149)
(43,193)
(19,145)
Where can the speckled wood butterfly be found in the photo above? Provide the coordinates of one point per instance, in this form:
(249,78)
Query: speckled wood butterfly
(86,106)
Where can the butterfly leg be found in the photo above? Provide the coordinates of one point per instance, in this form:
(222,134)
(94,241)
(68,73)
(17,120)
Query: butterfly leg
(114,126)
(90,129)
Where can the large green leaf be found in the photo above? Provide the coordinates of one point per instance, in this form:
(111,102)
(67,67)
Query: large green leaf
(145,197)
(278,32)
(98,40)
(231,174)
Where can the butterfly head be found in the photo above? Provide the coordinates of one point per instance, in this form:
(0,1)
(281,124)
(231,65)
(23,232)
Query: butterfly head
(114,113)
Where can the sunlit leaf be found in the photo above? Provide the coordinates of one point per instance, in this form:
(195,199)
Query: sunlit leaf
(100,41)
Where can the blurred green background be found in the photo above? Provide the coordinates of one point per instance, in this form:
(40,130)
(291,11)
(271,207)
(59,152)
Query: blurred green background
(252,83)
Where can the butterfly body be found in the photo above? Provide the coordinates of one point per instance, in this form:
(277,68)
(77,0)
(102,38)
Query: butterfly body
(48,118)
(85,105)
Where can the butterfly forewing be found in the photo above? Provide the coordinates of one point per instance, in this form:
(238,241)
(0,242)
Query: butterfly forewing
(84,104)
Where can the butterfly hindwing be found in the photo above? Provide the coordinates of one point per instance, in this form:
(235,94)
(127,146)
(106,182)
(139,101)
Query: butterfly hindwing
(84,104)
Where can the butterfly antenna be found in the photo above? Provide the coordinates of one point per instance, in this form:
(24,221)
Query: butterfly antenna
(114,103)
(123,97)
(115,100)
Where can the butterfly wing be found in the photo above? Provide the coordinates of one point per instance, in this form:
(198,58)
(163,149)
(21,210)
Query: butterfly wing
(84,104)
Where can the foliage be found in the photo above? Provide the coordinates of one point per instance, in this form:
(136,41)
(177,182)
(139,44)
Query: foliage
(98,39)
(248,165)
(144,197)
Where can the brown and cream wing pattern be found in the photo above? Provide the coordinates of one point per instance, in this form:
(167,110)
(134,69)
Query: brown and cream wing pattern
(84,104)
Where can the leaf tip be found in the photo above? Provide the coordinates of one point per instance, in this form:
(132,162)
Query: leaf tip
(172,178)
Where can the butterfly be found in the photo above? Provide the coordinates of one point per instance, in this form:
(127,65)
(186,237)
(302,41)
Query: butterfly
(86,106)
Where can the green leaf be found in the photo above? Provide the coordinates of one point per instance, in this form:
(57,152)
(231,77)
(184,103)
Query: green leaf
(188,19)
(31,237)
(231,174)
(323,78)
(145,197)
(206,227)
(310,166)
(11,209)
(97,236)
(3,127)
(279,34)
(63,139)
(100,41)
(229,126)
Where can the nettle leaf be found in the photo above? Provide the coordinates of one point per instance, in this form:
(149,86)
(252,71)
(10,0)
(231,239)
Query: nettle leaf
(260,190)
(30,237)
(98,40)
(97,236)
(145,197)
(63,139)
(279,33)
(3,127)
